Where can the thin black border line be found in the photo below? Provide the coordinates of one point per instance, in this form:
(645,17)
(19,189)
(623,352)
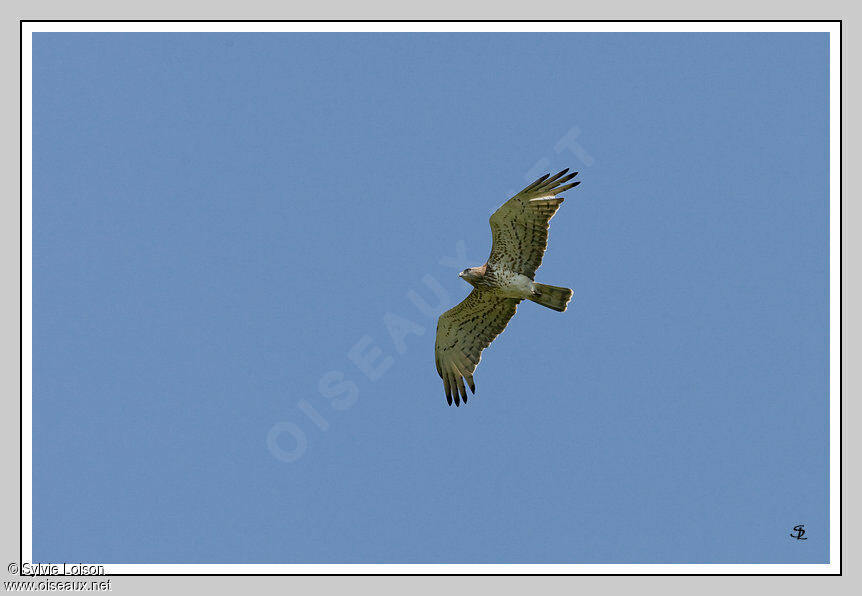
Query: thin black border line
(431,21)
(21,305)
(840,290)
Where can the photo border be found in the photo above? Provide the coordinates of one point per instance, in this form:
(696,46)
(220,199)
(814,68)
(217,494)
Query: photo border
(835,29)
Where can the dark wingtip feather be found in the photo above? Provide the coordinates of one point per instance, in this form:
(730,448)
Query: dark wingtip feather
(567,187)
(537,182)
(472,386)
(462,389)
(556,176)
(565,179)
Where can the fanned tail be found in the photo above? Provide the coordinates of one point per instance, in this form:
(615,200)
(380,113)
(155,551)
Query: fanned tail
(553,297)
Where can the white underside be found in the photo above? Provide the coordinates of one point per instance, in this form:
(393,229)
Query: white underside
(515,285)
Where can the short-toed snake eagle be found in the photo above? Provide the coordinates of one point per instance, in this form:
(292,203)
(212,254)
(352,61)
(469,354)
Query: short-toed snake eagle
(520,236)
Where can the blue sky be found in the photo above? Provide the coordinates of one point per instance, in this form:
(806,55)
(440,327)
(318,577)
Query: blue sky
(226,227)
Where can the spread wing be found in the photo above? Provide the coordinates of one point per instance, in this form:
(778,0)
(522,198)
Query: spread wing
(520,225)
(463,332)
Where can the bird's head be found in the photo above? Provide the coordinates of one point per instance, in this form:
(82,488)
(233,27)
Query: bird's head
(472,274)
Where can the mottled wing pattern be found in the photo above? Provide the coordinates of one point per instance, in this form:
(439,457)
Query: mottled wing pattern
(463,332)
(520,225)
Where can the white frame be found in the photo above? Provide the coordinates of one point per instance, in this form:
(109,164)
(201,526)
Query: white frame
(831,27)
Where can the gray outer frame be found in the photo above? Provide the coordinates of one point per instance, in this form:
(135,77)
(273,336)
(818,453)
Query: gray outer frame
(14,10)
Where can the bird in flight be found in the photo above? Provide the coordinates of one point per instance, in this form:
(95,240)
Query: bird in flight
(520,235)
